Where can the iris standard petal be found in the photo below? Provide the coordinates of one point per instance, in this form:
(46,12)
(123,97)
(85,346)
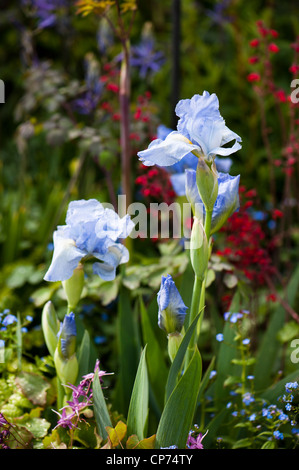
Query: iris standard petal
(83,211)
(167,152)
(201,121)
(196,109)
(112,226)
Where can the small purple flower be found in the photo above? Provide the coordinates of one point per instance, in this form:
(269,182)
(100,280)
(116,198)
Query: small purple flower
(46,11)
(87,102)
(145,58)
(195,442)
(89,377)
(65,420)
(3,421)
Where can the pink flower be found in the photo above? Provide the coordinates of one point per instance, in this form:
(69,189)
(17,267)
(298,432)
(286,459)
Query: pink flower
(195,442)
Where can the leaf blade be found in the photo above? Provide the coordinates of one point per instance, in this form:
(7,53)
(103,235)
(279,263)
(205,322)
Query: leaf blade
(174,427)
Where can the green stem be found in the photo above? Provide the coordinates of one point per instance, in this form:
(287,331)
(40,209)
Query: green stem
(208,221)
(207,227)
(198,296)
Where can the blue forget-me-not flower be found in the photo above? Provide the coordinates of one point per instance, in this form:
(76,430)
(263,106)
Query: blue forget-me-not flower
(91,231)
(172,310)
(201,130)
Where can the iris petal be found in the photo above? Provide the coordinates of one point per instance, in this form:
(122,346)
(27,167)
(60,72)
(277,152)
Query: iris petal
(66,258)
(167,152)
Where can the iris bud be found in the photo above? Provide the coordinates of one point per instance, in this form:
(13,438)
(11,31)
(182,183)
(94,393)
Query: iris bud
(199,249)
(172,310)
(73,287)
(50,326)
(65,359)
(207,183)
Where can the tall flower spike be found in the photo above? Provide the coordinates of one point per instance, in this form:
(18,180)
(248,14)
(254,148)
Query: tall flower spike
(50,326)
(90,231)
(201,130)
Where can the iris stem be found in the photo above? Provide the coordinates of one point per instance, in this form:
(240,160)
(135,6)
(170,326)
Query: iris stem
(198,296)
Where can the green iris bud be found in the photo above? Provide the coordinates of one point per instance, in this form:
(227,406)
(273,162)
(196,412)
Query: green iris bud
(199,249)
(50,326)
(65,359)
(207,183)
(73,287)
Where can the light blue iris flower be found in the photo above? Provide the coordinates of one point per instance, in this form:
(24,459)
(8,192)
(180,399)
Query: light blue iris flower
(227,201)
(172,310)
(201,130)
(91,231)
(190,161)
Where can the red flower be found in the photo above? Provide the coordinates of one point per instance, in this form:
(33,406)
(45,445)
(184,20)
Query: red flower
(253,60)
(254,43)
(273,33)
(277,214)
(273,47)
(294,69)
(153,173)
(271,297)
(113,87)
(253,77)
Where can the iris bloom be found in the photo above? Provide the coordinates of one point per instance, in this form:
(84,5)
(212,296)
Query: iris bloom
(172,310)
(91,231)
(190,161)
(227,201)
(201,130)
